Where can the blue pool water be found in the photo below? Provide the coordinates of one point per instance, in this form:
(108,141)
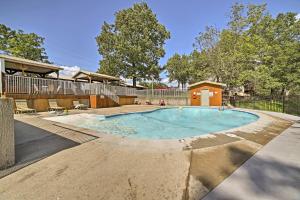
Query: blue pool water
(172,123)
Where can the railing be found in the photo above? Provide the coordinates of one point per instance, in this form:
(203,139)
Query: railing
(286,104)
(162,93)
(31,85)
(125,91)
(104,89)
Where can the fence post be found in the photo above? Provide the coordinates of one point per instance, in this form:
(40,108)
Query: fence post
(29,86)
(2,77)
(283,103)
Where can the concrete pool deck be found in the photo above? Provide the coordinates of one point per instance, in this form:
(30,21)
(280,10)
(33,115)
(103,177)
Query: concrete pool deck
(273,173)
(117,168)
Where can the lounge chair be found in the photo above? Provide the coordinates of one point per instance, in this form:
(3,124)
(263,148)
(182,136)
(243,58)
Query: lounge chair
(148,102)
(53,105)
(137,102)
(22,107)
(79,106)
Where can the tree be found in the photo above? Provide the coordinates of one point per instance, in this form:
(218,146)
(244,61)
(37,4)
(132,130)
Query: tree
(5,35)
(20,44)
(156,85)
(179,69)
(208,44)
(285,50)
(199,67)
(272,51)
(133,45)
(256,50)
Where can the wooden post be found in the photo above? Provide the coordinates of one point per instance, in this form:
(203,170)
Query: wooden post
(94,101)
(57,74)
(2,77)
(90,84)
(7,141)
(2,85)
(283,103)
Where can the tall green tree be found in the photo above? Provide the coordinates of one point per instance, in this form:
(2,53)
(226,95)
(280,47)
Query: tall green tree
(271,51)
(154,85)
(285,51)
(132,46)
(207,43)
(256,50)
(199,67)
(179,69)
(253,54)
(20,44)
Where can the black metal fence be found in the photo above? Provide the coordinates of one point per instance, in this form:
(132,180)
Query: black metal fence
(286,104)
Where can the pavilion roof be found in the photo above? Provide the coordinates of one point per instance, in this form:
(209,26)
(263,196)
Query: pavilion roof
(17,64)
(207,82)
(86,75)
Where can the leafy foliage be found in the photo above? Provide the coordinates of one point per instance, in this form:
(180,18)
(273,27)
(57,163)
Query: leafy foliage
(256,51)
(20,44)
(179,69)
(156,85)
(133,45)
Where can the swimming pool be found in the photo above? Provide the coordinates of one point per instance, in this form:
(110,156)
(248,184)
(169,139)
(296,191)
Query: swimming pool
(169,123)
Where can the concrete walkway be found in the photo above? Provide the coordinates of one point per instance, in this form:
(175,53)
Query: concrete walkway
(112,167)
(101,170)
(38,141)
(105,168)
(272,173)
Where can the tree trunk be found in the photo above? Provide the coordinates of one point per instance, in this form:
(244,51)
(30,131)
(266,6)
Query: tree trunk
(272,92)
(134,82)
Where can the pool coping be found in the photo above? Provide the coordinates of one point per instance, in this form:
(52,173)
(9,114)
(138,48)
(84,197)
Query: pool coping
(263,121)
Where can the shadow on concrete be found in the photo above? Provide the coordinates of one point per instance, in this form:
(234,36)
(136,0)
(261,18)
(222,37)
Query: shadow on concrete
(262,179)
(33,144)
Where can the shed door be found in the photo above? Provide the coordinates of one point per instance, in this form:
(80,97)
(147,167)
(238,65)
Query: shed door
(204,97)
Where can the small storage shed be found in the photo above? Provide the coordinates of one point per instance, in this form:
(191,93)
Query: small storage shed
(206,93)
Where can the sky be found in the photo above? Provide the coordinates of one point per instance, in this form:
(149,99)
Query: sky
(70,26)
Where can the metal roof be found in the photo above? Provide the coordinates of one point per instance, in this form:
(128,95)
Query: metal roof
(82,74)
(207,82)
(19,64)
